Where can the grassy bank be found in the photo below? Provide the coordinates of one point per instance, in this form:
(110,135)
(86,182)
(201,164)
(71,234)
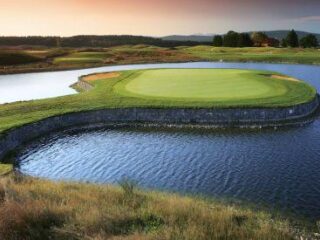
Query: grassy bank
(269,55)
(39,209)
(104,96)
(77,58)
(74,58)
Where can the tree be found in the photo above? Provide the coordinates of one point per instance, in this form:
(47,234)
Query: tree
(309,41)
(231,39)
(92,41)
(217,41)
(292,39)
(273,42)
(284,43)
(244,40)
(259,38)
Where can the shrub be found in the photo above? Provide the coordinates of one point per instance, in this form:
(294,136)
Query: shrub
(218,41)
(309,41)
(292,39)
(231,39)
(14,58)
(259,38)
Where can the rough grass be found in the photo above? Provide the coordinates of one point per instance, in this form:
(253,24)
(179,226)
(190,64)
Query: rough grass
(38,209)
(145,53)
(5,169)
(124,55)
(74,58)
(68,58)
(274,55)
(103,96)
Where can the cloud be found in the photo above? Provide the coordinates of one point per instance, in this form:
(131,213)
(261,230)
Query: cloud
(308,18)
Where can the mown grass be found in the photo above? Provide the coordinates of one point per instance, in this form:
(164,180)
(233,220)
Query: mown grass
(274,55)
(103,96)
(83,57)
(38,209)
(220,87)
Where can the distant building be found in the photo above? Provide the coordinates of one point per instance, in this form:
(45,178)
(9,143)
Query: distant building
(271,42)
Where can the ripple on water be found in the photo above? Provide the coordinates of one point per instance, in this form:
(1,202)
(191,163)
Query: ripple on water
(276,167)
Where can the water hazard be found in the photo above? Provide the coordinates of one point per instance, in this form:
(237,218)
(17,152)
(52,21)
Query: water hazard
(279,168)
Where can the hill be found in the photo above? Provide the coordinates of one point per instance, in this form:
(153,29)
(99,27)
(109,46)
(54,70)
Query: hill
(90,41)
(195,38)
(279,34)
(283,33)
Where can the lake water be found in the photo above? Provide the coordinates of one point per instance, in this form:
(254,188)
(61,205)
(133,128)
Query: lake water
(278,168)
(28,86)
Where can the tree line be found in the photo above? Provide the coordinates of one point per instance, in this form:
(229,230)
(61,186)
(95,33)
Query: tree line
(92,41)
(231,39)
(261,39)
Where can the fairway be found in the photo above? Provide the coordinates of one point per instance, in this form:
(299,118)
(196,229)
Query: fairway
(214,85)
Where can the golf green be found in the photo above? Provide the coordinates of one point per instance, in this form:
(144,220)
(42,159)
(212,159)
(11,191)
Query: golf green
(166,88)
(214,85)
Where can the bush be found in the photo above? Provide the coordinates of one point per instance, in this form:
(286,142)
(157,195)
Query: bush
(259,38)
(292,39)
(244,40)
(218,41)
(15,58)
(231,39)
(309,41)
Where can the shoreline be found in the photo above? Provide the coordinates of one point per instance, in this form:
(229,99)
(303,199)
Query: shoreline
(156,209)
(37,70)
(302,114)
(241,117)
(58,69)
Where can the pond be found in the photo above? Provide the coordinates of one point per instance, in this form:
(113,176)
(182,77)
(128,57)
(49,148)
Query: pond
(28,86)
(277,168)
(274,168)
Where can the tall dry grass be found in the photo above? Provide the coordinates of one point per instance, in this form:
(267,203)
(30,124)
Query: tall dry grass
(37,209)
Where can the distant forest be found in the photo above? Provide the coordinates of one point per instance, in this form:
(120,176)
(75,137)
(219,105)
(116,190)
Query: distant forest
(93,41)
(280,34)
(261,39)
(231,39)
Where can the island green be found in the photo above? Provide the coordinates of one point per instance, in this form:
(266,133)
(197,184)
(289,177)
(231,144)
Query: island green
(216,87)
(164,88)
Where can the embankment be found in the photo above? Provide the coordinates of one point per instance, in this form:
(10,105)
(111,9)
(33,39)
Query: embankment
(238,117)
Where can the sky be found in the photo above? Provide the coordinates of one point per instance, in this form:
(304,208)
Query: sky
(154,17)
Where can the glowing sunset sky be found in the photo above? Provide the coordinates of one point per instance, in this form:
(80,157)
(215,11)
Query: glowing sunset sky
(154,17)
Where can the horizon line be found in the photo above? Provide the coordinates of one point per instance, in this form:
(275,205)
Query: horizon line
(158,36)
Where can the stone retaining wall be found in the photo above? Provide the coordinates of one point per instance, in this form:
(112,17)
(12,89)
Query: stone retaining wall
(12,139)
(83,85)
